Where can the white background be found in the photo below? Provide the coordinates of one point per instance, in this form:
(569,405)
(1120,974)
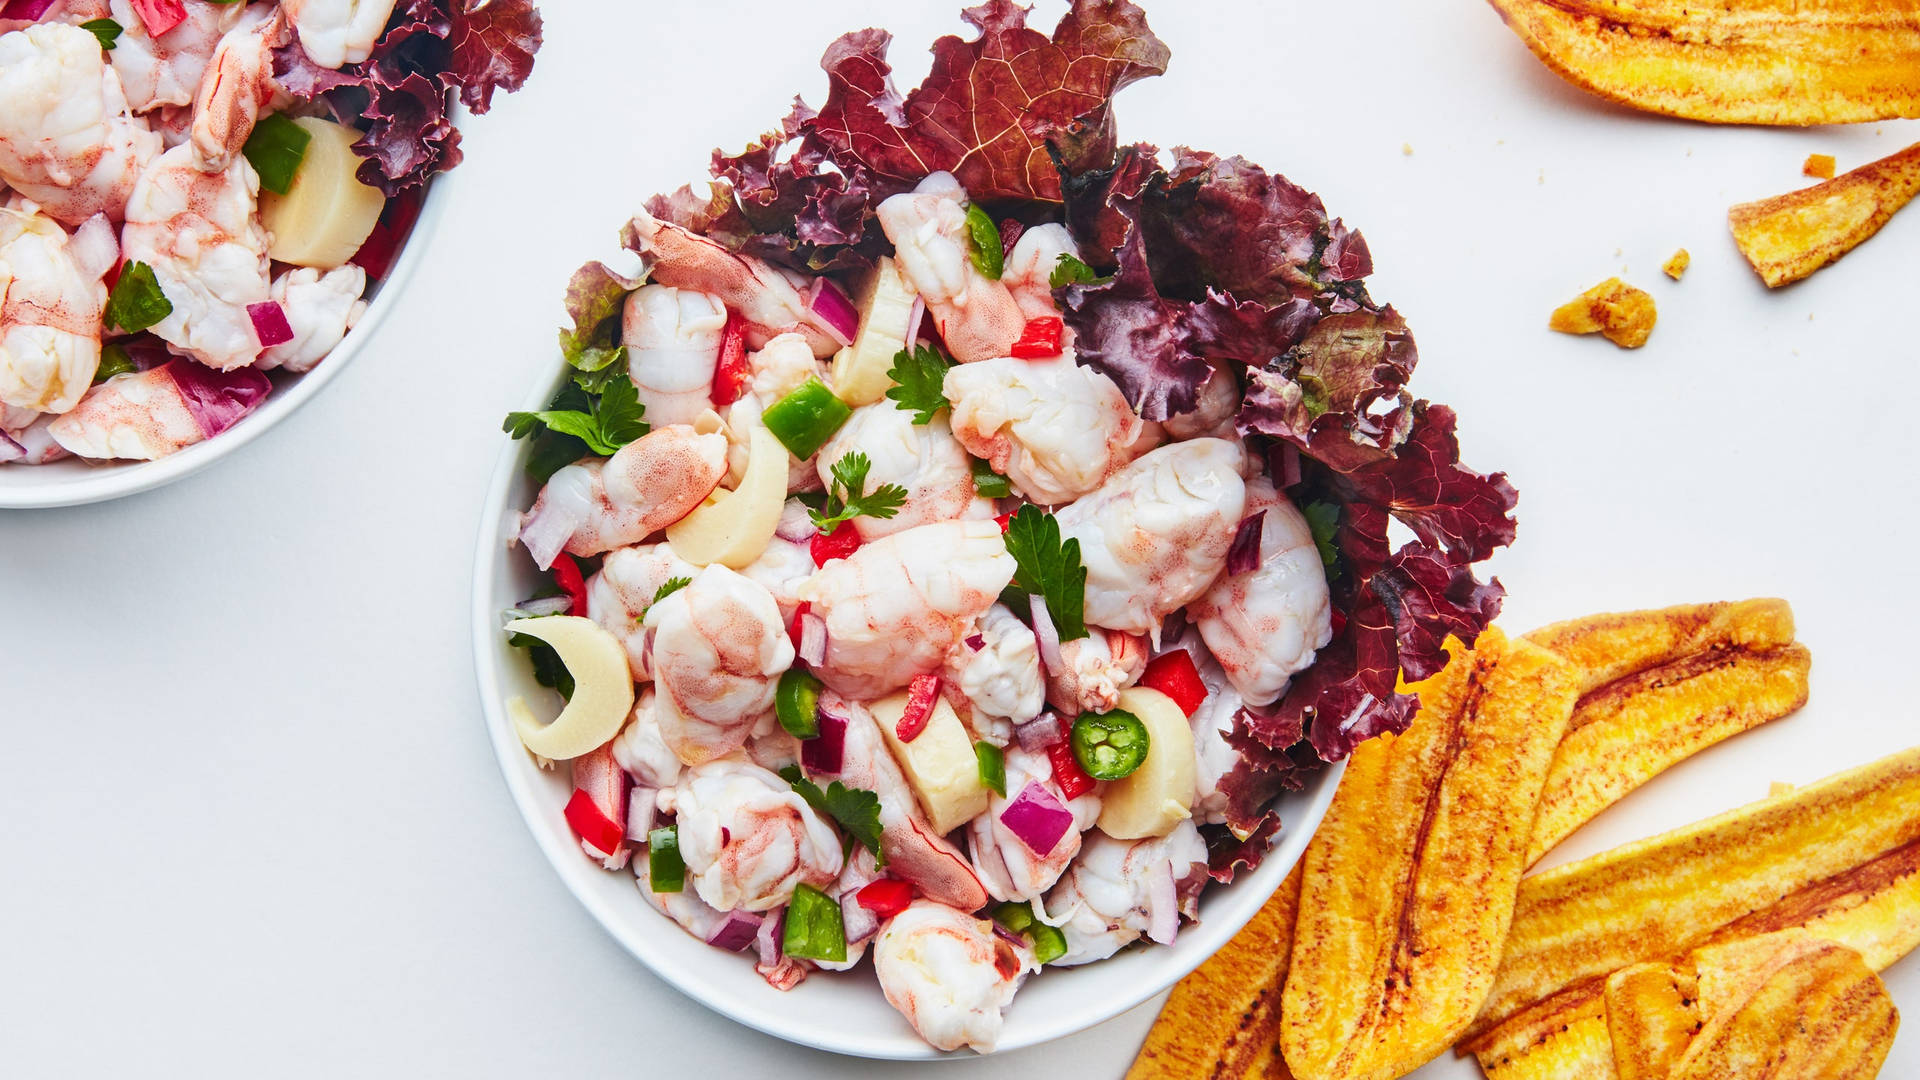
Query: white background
(252,826)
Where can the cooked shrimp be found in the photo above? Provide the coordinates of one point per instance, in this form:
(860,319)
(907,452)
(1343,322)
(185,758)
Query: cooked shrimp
(1030,265)
(139,415)
(236,86)
(1117,890)
(895,607)
(673,341)
(651,483)
(1008,867)
(1094,669)
(51,297)
(320,308)
(166,70)
(1156,534)
(617,596)
(949,974)
(756,291)
(200,234)
(914,852)
(67,140)
(1214,415)
(977,317)
(783,565)
(748,839)
(719,646)
(338,32)
(1214,757)
(641,749)
(778,368)
(1265,625)
(998,669)
(924,459)
(1056,430)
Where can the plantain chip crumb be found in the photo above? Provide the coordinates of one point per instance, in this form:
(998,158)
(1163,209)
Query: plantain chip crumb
(1677,265)
(1790,236)
(1623,313)
(1819,166)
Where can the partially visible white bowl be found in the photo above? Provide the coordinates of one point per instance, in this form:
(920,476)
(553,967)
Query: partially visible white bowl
(844,1013)
(72,482)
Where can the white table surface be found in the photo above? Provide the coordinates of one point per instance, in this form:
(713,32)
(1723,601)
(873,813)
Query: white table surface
(253,827)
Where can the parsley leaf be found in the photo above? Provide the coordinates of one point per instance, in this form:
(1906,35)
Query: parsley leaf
(1049,568)
(136,301)
(848,498)
(114,360)
(855,810)
(1068,270)
(106,30)
(920,375)
(604,426)
(983,246)
(673,585)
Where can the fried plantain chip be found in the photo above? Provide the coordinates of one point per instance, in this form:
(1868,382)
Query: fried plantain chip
(1626,732)
(1408,885)
(1737,873)
(1623,313)
(1752,62)
(1613,646)
(1651,1018)
(1676,264)
(1790,236)
(1795,1008)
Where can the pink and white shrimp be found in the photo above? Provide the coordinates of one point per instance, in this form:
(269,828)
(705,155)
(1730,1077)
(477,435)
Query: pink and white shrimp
(1265,625)
(997,668)
(673,341)
(1214,415)
(1094,669)
(949,974)
(139,415)
(1056,430)
(51,298)
(166,71)
(598,776)
(1156,534)
(1117,891)
(914,851)
(1029,268)
(321,306)
(652,482)
(338,32)
(620,593)
(747,838)
(896,607)
(67,139)
(27,439)
(199,232)
(783,564)
(760,294)
(778,368)
(641,749)
(1008,867)
(977,317)
(719,646)
(922,458)
(237,85)
(1212,722)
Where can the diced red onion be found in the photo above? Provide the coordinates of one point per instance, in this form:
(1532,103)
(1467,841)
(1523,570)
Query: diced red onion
(1048,636)
(767,937)
(976,642)
(825,752)
(1008,936)
(795,526)
(218,399)
(1289,471)
(736,931)
(270,324)
(813,639)
(859,922)
(10,450)
(913,320)
(836,314)
(1244,556)
(641,803)
(1038,818)
(1163,905)
(546,605)
(26,9)
(1040,733)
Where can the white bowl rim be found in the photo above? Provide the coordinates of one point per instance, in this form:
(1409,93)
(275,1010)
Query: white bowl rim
(61,486)
(1214,930)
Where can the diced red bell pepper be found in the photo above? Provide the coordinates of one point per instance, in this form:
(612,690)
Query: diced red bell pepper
(843,541)
(886,897)
(732,374)
(377,252)
(1004,520)
(1339,621)
(1173,674)
(793,624)
(922,692)
(119,264)
(1039,341)
(566,574)
(160,16)
(598,808)
(1073,780)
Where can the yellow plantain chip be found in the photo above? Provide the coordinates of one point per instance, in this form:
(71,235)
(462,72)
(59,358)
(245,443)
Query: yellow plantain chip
(1613,646)
(1576,924)
(1651,1018)
(1623,313)
(1790,236)
(1798,1009)
(1676,264)
(1628,731)
(1741,62)
(1221,1021)
(1409,882)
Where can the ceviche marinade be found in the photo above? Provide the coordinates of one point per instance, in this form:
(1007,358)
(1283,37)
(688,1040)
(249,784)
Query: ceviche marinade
(957,546)
(194,193)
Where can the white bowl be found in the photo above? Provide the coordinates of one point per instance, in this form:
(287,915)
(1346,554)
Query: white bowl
(844,1013)
(72,481)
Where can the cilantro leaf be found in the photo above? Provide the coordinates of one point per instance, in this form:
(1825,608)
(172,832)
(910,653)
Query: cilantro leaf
(106,30)
(848,497)
(920,374)
(1068,270)
(983,243)
(673,585)
(114,360)
(603,426)
(855,810)
(1048,568)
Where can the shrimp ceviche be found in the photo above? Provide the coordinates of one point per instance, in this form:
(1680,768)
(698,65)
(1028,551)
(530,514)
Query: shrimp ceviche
(956,546)
(196,193)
